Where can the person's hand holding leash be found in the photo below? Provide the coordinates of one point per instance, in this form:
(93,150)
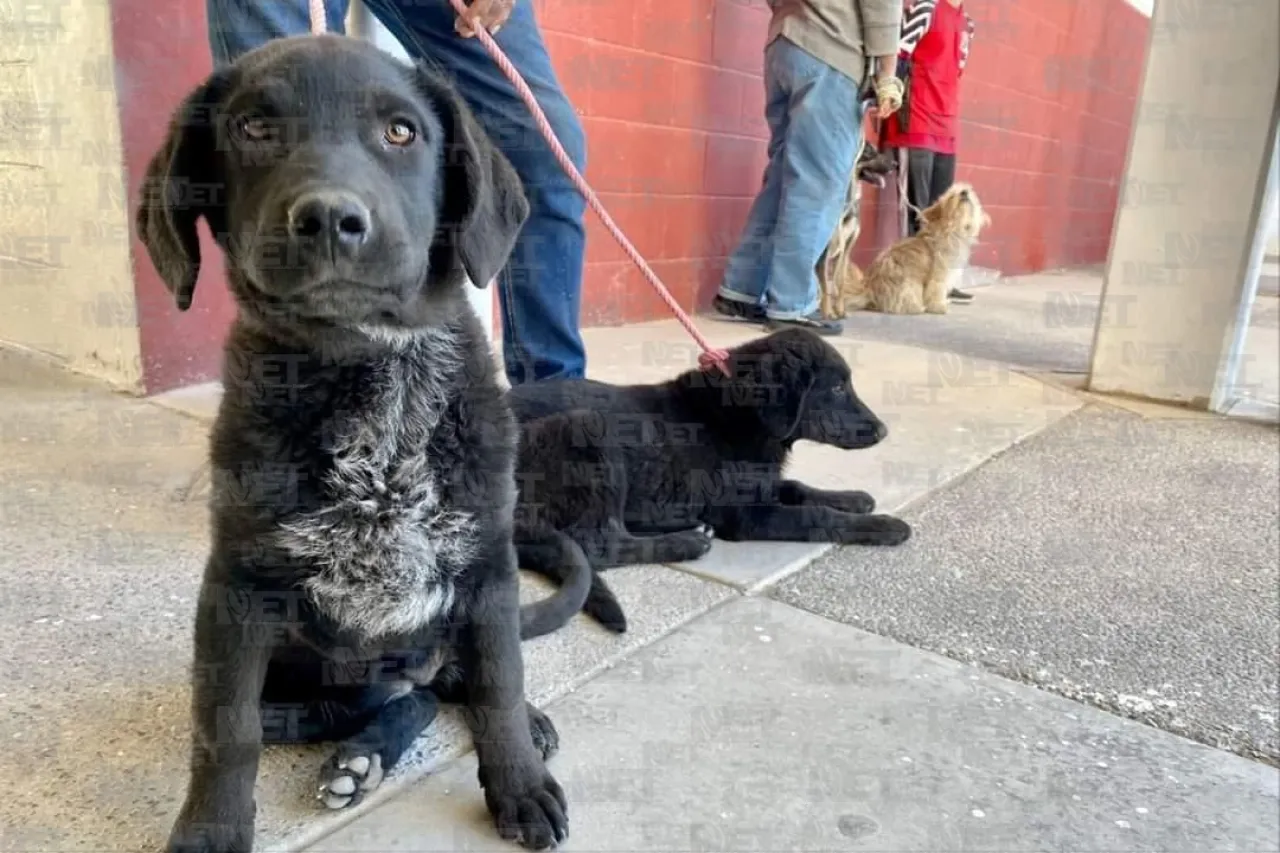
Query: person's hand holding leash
(888,94)
(491,14)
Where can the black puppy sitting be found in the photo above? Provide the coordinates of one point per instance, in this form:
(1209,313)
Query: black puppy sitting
(362,564)
(645,473)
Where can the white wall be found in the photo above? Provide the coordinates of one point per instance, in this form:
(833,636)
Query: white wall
(66,281)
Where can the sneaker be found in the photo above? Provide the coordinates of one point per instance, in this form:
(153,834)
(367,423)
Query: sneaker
(814,322)
(959,295)
(735,310)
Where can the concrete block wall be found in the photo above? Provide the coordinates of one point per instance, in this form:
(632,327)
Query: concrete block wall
(673,104)
(673,100)
(1048,102)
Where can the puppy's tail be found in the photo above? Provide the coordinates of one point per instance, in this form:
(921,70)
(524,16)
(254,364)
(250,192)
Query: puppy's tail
(556,556)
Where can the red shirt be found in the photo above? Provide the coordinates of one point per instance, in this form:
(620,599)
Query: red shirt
(935,37)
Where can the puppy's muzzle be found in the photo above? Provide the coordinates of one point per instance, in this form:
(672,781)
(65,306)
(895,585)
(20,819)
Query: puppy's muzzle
(872,433)
(851,431)
(333,224)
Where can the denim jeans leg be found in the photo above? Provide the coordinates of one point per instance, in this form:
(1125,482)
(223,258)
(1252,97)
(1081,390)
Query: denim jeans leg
(744,275)
(238,26)
(824,124)
(541,286)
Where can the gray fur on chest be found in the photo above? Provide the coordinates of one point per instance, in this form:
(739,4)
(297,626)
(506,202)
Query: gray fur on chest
(384,551)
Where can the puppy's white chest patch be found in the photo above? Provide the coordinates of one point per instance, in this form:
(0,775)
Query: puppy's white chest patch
(384,551)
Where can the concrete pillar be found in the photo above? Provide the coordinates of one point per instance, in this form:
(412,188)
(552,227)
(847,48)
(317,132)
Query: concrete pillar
(1182,266)
(361,23)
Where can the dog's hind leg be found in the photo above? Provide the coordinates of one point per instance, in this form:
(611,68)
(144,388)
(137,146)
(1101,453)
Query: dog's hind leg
(302,704)
(762,523)
(935,289)
(796,493)
(360,762)
(613,545)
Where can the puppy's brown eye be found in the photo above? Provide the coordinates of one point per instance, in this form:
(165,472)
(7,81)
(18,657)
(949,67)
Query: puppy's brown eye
(399,133)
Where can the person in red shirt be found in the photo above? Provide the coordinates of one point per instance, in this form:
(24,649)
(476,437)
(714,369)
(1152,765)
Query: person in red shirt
(932,53)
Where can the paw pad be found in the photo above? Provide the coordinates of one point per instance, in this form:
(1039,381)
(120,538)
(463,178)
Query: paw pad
(346,778)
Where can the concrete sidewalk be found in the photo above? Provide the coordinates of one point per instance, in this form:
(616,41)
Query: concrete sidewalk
(723,720)
(1129,563)
(762,728)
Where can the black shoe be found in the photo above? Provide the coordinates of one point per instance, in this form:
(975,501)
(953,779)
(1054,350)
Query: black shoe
(735,310)
(959,295)
(814,322)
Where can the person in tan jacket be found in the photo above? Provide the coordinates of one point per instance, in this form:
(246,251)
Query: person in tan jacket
(821,56)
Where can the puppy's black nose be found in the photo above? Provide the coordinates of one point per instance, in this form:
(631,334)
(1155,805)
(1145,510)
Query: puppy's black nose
(340,217)
(881,431)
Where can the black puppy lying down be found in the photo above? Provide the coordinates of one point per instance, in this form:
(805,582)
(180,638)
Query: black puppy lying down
(362,566)
(646,473)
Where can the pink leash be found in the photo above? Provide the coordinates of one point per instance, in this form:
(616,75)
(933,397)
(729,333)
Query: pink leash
(710,356)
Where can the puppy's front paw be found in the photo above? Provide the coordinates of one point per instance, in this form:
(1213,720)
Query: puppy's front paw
(211,836)
(878,530)
(528,807)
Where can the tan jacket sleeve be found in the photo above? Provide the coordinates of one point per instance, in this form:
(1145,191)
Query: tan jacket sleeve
(881,26)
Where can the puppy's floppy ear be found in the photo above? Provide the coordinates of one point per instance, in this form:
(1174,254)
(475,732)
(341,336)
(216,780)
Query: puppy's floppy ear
(782,378)
(483,205)
(784,422)
(183,182)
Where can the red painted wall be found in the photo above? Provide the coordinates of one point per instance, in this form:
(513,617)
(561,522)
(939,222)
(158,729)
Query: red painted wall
(161,52)
(672,101)
(1048,102)
(673,105)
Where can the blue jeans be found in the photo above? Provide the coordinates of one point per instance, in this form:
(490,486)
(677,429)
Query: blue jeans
(815,124)
(540,289)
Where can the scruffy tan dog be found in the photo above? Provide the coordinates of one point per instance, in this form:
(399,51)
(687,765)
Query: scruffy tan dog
(912,275)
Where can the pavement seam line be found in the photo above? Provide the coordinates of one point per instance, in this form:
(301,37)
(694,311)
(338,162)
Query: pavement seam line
(1010,675)
(327,824)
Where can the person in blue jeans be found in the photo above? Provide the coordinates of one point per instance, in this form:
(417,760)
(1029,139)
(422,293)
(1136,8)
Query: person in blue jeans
(817,60)
(540,290)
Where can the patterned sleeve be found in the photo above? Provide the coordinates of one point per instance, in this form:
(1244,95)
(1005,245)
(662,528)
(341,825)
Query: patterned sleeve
(915,24)
(966,42)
